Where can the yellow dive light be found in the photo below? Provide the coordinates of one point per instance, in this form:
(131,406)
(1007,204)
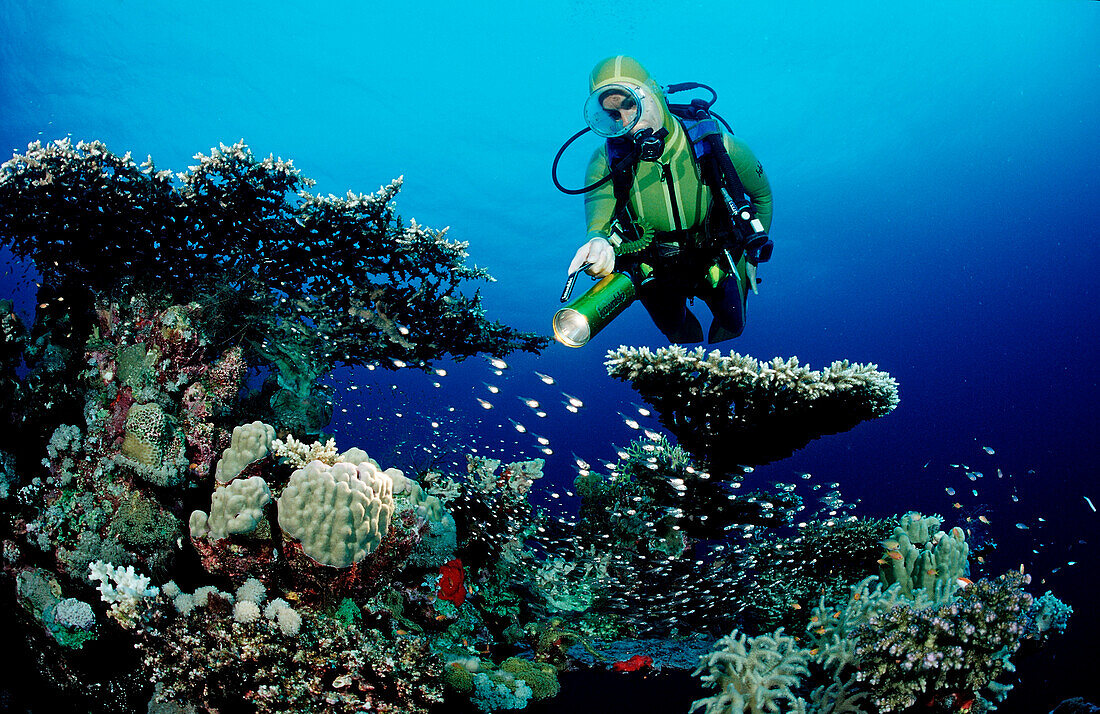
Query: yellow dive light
(575,325)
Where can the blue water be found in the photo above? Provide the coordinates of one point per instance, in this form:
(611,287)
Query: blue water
(934,167)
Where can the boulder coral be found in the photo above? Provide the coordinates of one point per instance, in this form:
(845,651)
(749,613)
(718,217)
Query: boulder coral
(339,513)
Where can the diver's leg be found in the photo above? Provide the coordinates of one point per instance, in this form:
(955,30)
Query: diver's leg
(728,304)
(667,305)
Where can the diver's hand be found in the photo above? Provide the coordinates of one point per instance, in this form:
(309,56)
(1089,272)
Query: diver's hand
(599,253)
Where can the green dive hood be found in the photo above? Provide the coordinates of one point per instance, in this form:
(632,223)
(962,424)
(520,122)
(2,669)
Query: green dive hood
(621,68)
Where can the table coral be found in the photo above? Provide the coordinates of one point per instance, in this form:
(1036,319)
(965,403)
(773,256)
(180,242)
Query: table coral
(732,409)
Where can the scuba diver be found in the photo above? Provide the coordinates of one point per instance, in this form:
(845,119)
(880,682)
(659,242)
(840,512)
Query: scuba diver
(676,209)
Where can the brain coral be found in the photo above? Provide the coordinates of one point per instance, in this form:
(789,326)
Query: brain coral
(340,513)
(145,435)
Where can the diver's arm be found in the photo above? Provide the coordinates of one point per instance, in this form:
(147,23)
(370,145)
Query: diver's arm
(599,204)
(753,178)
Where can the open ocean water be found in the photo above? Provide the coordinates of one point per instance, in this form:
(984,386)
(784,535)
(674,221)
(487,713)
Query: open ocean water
(934,167)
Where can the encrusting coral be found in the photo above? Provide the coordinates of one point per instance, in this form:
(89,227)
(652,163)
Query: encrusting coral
(732,409)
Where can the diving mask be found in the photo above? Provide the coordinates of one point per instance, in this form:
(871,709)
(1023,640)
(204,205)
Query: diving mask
(614,109)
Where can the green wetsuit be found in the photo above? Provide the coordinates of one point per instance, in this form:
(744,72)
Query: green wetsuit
(669,194)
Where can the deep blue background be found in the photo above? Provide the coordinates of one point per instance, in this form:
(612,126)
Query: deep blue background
(934,167)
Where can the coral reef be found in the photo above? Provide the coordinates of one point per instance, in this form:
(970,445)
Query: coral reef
(184,324)
(129,383)
(732,409)
(790,574)
(298,280)
(205,649)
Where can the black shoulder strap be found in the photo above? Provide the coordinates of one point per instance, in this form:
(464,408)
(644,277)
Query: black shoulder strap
(721,176)
(623,164)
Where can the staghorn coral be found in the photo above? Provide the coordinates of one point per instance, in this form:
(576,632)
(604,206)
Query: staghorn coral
(123,589)
(298,453)
(734,409)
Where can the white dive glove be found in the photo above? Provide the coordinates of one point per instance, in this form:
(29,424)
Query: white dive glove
(599,253)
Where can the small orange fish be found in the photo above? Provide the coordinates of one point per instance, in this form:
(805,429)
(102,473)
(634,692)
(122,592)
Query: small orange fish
(819,631)
(440,617)
(964,582)
(883,562)
(984,520)
(896,555)
(796,606)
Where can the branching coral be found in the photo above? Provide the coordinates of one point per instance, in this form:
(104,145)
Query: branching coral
(920,642)
(298,453)
(753,675)
(910,655)
(301,279)
(734,409)
(790,574)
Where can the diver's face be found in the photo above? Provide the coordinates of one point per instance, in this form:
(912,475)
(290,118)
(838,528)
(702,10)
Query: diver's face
(623,109)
